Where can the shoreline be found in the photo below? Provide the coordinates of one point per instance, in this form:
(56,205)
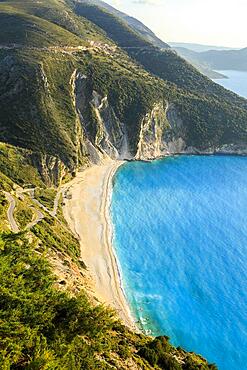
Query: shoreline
(87,211)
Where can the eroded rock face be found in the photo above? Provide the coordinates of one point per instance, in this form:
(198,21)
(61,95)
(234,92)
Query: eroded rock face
(51,169)
(103,135)
(162,133)
(153,125)
(111,136)
(100,134)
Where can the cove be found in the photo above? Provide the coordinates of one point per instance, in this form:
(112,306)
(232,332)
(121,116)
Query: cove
(180,236)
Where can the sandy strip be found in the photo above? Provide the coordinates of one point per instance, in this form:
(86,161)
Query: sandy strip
(87,213)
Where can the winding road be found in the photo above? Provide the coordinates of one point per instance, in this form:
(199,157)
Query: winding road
(38,215)
(10,212)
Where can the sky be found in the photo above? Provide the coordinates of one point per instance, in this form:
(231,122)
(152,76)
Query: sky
(210,22)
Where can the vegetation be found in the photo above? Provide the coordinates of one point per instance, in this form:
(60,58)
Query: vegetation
(46,197)
(54,235)
(3,212)
(15,164)
(43,328)
(23,213)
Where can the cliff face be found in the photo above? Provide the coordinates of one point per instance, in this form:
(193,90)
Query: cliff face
(160,132)
(102,133)
(72,95)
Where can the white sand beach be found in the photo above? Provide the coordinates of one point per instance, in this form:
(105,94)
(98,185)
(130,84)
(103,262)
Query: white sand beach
(87,213)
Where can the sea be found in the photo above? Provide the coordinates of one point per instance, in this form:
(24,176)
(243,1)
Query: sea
(235,81)
(180,237)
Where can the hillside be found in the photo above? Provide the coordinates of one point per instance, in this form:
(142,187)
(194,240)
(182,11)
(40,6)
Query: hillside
(191,88)
(78,85)
(55,60)
(136,26)
(226,59)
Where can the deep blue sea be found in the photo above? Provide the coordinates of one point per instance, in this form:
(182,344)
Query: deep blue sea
(180,234)
(236,81)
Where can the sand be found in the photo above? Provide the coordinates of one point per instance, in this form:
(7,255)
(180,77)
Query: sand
(87,213)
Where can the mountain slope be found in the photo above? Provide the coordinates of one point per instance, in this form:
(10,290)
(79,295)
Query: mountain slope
(191,57)
(83,97)
(197,47)
(55,53)
(136,26)
(217,104)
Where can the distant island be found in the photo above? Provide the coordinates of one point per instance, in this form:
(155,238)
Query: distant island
(208,59)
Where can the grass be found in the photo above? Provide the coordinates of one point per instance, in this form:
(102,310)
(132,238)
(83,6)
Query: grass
(15,164)
(4,226)
(23,214)
(54,235)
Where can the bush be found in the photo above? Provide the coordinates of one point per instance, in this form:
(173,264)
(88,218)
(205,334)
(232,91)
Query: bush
(149,354)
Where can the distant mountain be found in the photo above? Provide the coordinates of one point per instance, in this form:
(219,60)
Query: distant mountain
(216,59)
(197,47)
(133,23)
(192,57)
(225,59)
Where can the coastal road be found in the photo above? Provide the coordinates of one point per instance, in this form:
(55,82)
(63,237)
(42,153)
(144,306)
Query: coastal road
(10,212)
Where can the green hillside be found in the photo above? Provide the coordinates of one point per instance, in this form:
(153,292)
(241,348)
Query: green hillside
(207,107)
(135,25)
(39,69)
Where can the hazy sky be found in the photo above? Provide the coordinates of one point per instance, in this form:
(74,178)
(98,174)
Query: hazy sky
(212,22)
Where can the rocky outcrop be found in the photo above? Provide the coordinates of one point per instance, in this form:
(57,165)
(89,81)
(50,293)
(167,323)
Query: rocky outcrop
(51,169)
(111,136)
(153,125)
(174,138)
(162,133)
(102,133)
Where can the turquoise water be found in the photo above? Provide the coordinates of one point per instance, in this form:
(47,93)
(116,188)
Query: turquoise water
(180,234)
(236,81)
